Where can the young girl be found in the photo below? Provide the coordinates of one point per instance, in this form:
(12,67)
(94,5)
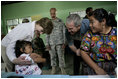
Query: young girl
(24,49)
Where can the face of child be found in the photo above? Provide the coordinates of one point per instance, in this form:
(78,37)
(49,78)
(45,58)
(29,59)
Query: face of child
(28,49)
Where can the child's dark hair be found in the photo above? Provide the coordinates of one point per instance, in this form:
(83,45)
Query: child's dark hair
(20,44)
(101,14)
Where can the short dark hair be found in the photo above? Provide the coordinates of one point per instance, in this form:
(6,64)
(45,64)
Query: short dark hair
(88,9)
(53,9)
(46,24)
(25,21)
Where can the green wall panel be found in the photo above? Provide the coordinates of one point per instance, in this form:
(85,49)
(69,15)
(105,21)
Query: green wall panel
(32,8)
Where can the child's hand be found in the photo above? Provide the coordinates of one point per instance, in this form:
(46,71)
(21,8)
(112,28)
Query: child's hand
(37,58)
(34,55)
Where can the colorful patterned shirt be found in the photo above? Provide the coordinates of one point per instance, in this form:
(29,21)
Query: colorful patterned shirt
(101,47)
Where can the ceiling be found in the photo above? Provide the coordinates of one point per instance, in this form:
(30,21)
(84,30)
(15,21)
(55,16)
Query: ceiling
(10,2)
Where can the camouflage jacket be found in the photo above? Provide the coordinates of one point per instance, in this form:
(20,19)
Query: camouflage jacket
(58,33)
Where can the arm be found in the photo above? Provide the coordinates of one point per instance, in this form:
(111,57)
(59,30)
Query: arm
(12,57)
(92,64)
(71,43)
(37,58)
(17,34)
(47,42)
(74,49)
(21,61)
(64,33)
(64,38)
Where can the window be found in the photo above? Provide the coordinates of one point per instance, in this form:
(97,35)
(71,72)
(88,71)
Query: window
(12,23)
(80,13)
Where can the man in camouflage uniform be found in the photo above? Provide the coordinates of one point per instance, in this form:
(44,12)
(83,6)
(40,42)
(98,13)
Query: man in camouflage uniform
(55,42)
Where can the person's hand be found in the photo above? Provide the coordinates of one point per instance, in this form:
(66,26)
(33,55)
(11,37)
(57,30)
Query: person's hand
(100,71)
(34,55)
(48,47)
(22,57)
(63,46)
(78,52)
(21,61)
(37,58)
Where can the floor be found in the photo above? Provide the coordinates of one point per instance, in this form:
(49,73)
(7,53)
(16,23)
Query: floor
(68,68)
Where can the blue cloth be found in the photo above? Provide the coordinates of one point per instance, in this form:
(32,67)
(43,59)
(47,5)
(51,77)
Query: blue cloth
(7,74)
(84,26)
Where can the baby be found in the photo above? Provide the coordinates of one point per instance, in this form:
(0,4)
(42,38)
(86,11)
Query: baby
(24,49)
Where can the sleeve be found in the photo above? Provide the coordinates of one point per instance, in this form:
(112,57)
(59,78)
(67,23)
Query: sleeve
(68,38)
(16,34)
(84,26)
(47,39)
(86,42)
(64,33)
(10,52)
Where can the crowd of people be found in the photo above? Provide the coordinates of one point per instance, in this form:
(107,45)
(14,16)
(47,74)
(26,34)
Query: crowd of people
(92,40)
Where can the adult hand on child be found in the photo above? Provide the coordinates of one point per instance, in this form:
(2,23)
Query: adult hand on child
(21,61)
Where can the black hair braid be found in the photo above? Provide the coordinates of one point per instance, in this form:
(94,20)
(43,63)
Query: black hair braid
(111,20)
(101,14)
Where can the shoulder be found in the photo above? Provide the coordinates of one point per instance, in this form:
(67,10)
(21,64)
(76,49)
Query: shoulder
(84,26)
(23,26)
(85,22)
(88,34)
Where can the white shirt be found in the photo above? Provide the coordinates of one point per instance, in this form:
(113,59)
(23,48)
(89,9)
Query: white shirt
(32,69)
(23,31)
